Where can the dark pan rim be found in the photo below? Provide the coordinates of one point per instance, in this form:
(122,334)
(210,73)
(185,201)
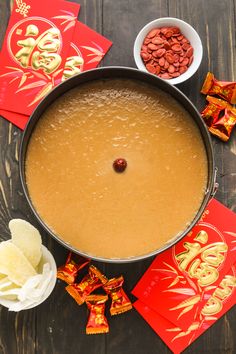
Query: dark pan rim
(130,73)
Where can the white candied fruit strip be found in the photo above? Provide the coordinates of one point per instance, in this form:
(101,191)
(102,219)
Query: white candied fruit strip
(14,264)
(28,239)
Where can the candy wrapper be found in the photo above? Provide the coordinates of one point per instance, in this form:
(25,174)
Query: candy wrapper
(70,270)
(224,89)
(179,282)
(218,304)
(97,322)
(93,280)
(120,301)
(212,111)
(224,126)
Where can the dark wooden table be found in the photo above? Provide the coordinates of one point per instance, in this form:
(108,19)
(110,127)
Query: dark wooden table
(58,325)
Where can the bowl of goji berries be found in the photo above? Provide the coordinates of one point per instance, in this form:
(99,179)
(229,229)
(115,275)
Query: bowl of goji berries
(168,48)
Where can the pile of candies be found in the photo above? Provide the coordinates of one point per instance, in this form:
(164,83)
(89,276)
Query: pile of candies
(218,124)
(82,292)
(166,52)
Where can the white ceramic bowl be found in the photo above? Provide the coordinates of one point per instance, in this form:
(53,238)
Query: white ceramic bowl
(187,30)
(47,257)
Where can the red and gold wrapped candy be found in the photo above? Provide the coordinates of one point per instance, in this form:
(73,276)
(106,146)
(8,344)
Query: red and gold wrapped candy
(223,127)
(120,301)
(69,271)
(212,111)
(97,322)
(224,89)
(82,292)
(93,280)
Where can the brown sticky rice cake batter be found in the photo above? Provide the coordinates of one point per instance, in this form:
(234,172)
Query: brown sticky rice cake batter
(77,193)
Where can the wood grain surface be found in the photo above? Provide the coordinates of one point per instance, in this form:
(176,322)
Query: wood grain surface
(58,325)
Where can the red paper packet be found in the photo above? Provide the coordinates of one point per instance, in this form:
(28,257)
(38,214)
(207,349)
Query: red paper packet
(86,50)
(34,52)
(180,280)
(20,120)
(176,338)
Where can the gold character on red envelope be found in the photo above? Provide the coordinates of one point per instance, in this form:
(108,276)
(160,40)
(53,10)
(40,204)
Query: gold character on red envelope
(202,262)
(72,67)
(74,63)
(214,304)
(40,51)
(28,84)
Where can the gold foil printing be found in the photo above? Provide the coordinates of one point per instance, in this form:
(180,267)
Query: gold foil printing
(205,274)
(214,304)
(22,8)
(204,269)
(40,52)
(72,67)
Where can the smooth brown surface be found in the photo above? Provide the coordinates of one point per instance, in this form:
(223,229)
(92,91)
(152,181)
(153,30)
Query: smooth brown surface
(58,325)
(72,182)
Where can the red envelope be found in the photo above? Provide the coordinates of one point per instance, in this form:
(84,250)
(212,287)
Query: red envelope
(175,338)
(20,120)
(180,280)
(86,51)
(34,52)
